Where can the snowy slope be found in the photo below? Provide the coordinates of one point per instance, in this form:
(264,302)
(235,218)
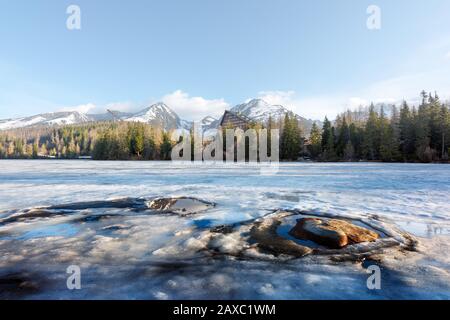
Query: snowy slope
(160,115)
(55,118)
(259,110)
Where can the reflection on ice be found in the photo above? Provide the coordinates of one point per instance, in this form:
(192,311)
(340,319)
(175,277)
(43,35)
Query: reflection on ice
(61,230)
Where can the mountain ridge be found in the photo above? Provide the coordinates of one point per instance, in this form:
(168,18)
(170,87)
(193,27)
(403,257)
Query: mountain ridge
(158,114)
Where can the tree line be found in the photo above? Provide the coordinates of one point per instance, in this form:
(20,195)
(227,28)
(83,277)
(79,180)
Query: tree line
(37,142)
(405,134)
(132,141)
(399,134)
(101,141)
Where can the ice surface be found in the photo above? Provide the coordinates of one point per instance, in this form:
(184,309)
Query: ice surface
(136,255)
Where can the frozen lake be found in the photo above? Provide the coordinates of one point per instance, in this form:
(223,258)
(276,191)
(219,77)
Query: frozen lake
(129,254)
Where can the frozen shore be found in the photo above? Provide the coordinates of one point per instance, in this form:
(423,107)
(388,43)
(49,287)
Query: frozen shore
(125,251)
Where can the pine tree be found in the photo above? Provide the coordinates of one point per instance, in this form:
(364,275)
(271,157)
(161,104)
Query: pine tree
(343,138)
(136,139)
(329,152)
(291,143)
(349,151)
(356,138)
(422,133)
(149,145)
(285,137)
(326,131)
(407,132)
(35,150)
(315,139)
(165,147)
(328,140)
(371,135)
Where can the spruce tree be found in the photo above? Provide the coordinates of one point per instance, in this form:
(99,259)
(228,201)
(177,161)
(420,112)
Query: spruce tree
(315,139)
(343,138)
(371,135)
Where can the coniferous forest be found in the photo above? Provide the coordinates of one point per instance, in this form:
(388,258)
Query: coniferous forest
(101,141)
(400,134)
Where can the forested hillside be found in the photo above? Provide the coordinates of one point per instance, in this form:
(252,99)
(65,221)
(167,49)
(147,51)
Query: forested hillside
(400,134)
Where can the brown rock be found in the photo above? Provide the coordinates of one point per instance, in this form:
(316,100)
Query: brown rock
(355,234)
(331,233)
(265,234)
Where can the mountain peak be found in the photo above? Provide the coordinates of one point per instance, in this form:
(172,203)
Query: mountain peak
(158,114)
(257,101)
(254,103)
(160,105)
(259,110)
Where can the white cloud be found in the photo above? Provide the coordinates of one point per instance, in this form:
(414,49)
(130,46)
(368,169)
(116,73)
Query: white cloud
(94,108)
(277,97)
(408,86)
(82,108)
(313,107)
(448,55)
(355,102)
(194,108)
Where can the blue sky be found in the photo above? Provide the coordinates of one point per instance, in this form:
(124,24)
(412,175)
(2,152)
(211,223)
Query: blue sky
(202,56)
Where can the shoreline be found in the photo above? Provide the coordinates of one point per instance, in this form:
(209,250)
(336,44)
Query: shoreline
(282,161)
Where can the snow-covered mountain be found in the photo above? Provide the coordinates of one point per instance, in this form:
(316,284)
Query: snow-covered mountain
(54,118)
(260,111)
(160,115)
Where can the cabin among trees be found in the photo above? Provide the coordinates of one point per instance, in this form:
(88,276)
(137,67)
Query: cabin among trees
(233,120)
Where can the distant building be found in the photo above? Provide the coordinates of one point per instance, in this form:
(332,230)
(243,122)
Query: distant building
(233,120)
